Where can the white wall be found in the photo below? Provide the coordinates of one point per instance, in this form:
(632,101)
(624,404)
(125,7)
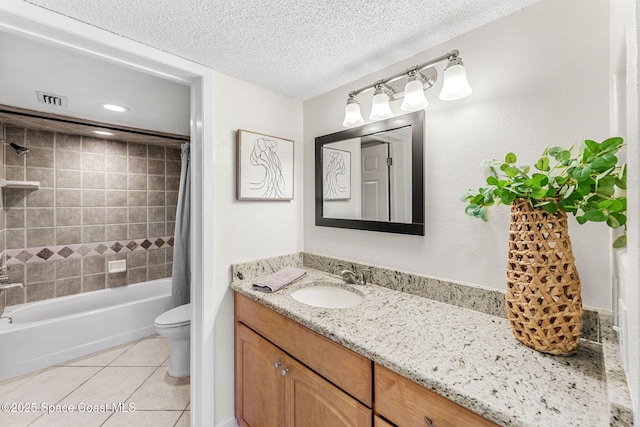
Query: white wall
(540,77)
(246,230)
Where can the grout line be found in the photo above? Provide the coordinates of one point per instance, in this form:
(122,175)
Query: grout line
(140,386)
(109,417)
(133,344)
(31,376)
(180,417)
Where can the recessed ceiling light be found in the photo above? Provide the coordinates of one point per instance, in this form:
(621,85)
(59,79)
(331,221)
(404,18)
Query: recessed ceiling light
(103,132)
(114,107)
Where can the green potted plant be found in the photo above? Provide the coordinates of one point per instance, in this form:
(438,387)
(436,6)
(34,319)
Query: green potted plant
(543,298)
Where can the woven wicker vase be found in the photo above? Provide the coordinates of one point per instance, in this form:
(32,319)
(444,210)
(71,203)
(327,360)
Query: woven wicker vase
(543,299)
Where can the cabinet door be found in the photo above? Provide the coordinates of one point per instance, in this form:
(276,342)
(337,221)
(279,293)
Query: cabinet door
(259,383)
(311,401)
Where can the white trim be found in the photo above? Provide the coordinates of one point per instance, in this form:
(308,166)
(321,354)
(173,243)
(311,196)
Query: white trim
(230,421)
(45,26)
(202,272)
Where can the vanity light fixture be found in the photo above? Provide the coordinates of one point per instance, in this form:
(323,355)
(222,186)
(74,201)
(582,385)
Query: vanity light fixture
(419,78)
(455,85)
(115,107)
(380,108)
(103,132)
(352,114)
(414,98)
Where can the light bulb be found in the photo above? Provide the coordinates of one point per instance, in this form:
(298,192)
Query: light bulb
(114,107)
(352,114)
(455,84)
(414,98)
(380,108)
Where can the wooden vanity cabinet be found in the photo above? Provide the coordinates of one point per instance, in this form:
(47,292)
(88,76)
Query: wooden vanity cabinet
(287,375)
(273,387)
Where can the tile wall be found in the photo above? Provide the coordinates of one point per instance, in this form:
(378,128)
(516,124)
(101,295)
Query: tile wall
(99,200)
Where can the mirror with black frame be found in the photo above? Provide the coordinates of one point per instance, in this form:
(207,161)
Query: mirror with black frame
(372,177)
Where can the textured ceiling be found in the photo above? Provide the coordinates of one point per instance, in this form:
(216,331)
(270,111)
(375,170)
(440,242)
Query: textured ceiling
(299,48)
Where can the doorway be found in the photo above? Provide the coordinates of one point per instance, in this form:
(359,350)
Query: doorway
(375,181)
(39,24)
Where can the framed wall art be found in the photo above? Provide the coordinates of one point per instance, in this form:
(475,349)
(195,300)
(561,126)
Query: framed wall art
(264,167)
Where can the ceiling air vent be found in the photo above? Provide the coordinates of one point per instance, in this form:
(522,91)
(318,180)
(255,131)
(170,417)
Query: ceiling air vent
(51,99)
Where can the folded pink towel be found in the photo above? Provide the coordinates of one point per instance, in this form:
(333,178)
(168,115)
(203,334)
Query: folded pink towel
(279,279)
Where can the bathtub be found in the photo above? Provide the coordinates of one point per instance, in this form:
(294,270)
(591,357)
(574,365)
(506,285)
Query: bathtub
(40,334)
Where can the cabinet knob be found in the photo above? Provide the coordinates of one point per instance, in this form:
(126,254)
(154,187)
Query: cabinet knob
(428,421)
(285,371)
(277,364)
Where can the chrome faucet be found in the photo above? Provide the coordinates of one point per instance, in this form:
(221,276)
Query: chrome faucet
(354,277)
(349,276)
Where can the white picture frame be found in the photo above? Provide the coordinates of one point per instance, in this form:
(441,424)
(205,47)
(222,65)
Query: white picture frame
(264,166)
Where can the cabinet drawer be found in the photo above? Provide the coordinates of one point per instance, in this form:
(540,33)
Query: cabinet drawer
(406,403)
(343,367)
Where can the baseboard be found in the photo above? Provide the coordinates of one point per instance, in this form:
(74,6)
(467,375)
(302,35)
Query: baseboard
(230,421)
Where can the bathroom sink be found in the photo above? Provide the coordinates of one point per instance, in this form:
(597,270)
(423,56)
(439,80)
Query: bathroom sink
(327,296)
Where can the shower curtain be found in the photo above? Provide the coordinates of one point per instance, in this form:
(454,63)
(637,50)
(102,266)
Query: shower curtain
(181,277)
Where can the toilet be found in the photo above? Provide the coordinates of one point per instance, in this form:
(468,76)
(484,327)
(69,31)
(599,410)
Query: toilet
(175,325)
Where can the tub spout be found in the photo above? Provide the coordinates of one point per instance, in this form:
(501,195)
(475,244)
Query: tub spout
(4,280)
(6,286)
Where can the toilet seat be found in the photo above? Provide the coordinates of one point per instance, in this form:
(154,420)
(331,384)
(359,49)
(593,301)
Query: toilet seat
(176,317)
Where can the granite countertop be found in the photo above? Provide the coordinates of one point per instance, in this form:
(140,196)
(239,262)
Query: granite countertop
(469,357)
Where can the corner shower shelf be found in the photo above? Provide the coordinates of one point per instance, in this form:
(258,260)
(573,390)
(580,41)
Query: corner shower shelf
(34,185)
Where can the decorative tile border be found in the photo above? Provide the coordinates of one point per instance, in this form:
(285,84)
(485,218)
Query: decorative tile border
(54,253)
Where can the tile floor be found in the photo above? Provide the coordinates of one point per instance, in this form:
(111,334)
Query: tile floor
(132,377)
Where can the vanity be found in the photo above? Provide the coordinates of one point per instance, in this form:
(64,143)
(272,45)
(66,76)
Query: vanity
(398,359)
(303,378)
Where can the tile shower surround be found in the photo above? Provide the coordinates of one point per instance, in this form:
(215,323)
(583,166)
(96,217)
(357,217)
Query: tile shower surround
(99,200)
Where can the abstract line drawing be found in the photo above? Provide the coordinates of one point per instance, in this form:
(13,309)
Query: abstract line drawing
(265,167)
(336,173)
(265,155)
